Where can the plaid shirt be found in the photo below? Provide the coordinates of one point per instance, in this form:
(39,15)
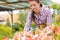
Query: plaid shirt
(44,17)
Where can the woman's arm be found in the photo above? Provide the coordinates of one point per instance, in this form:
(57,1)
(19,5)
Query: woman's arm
(49,17)
(50,26)
(28,22)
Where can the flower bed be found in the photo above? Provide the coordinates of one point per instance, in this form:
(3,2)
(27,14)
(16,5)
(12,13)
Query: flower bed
(49,33)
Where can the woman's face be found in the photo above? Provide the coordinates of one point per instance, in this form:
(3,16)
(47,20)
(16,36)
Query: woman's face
(34,5)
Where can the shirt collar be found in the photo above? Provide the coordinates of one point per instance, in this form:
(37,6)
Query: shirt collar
(39,13)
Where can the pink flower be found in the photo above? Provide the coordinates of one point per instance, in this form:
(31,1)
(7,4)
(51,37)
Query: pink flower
(17,36)
(35,37)
(38,38)
(57,31)
(50,37)
(28,35)
(28,38)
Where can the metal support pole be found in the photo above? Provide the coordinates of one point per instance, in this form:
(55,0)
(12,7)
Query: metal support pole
(11,13)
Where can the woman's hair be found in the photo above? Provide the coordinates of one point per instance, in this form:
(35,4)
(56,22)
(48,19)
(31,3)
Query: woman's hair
(34,0)
(32,15)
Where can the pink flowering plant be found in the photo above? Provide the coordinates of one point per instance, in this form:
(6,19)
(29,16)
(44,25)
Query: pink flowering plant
(45,34)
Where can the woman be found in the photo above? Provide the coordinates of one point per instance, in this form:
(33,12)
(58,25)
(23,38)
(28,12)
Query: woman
(38,14)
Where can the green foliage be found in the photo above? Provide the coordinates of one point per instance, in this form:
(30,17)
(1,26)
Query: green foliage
(17,27)
(58,37)
(22,19)
(5,31)
(55,6)
(33,25)
(56,18)
(20,29)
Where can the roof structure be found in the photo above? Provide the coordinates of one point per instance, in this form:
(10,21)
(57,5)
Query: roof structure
(16,4)
(13,4)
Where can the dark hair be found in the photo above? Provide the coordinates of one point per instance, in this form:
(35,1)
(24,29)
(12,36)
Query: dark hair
(34,0)
(32,15)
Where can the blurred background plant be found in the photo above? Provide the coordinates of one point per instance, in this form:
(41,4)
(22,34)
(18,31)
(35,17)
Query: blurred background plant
(5,31)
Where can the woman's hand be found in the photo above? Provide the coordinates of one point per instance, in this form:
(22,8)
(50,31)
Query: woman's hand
(49,29)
